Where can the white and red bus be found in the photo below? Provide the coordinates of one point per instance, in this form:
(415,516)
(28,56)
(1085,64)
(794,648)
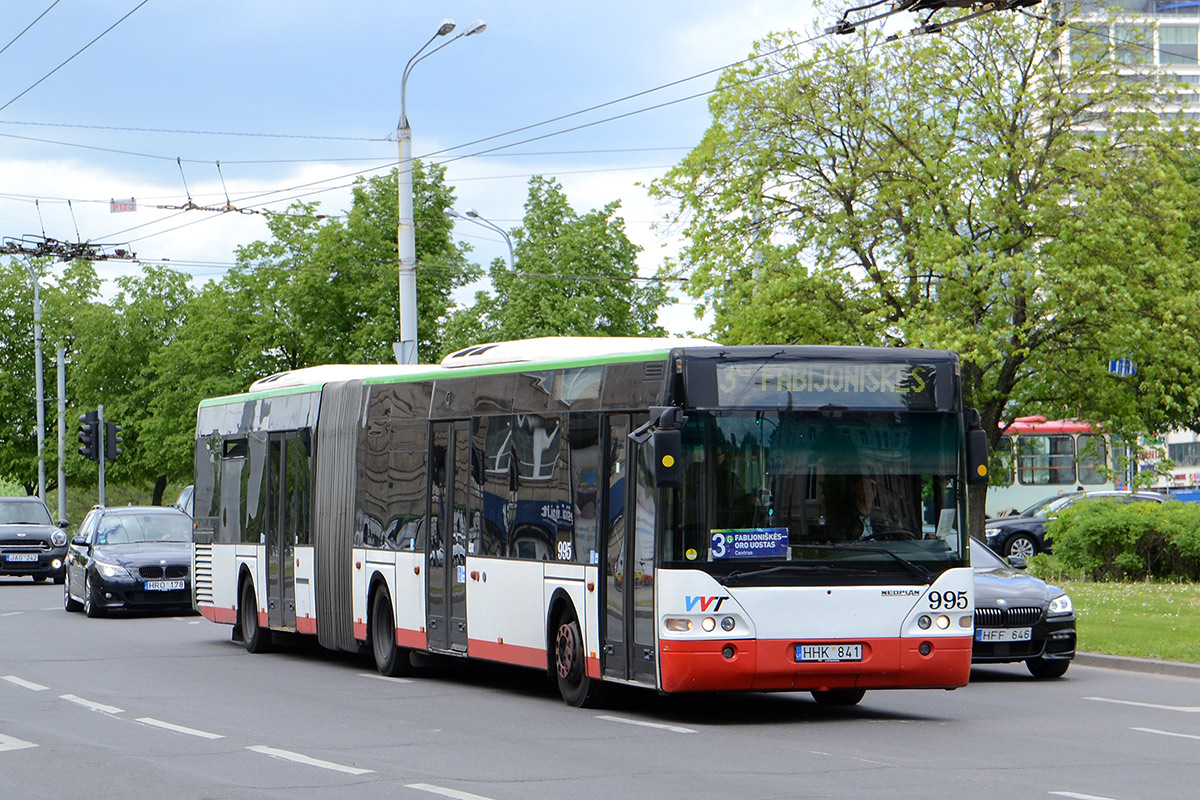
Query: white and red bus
(1039,458)
(672,514)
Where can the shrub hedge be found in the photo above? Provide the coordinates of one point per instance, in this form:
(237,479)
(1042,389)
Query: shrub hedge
(1110,540)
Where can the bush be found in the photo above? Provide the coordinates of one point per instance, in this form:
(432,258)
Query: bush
(1110,540)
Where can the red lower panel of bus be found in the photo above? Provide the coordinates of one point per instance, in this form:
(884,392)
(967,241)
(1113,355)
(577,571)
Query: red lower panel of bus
(215,614)
(520,655)
(771,665)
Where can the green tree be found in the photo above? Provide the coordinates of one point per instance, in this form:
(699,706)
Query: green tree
(325,290)
(113,361)
(575,275)
(972,191)
(64,293)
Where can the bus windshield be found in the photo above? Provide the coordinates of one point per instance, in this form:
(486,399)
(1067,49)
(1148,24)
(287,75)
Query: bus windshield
(859,493)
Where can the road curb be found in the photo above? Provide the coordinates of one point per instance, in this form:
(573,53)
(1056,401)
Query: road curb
(1151,665)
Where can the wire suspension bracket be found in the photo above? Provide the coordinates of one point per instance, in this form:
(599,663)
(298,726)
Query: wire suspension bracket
(975,9)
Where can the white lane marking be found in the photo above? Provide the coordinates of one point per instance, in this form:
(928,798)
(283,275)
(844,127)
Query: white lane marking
(444,792)
(1184,709)
(672,728)
(1166,733)
(383,677)
(12,614)
(299,758)
(35,687)
(158,723)
(1078,796)
(93,706)
(13,743)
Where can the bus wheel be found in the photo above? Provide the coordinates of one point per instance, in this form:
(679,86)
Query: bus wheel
(256,638)
(570,665)
(390,660)
(839,697)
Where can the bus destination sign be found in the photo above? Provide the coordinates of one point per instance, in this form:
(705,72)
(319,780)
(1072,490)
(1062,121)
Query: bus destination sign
(812,384)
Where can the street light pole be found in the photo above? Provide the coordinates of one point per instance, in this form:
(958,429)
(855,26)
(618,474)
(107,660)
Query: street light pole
(406,241)
(471,215)
(40,387)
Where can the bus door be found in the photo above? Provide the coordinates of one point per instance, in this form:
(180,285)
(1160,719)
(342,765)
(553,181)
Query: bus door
(627,627)
(446,561)
(280,528)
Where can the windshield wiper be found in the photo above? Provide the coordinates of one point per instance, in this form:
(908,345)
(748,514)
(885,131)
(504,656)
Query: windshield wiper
(919,572)
(785,569)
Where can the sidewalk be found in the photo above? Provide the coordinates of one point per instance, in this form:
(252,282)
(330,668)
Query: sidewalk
(1176,668)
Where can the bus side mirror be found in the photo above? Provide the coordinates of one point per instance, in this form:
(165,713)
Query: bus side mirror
(668,458)
(977,449)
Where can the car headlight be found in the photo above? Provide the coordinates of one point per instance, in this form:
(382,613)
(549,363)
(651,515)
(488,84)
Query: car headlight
(58,538)
(1060,606)
(111,570)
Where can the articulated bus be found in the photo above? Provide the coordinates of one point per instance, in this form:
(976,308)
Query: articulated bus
(665,513)
(1039,458)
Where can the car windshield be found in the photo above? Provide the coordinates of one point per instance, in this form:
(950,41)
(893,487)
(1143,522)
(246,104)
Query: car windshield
(24,513)
(983,558)
(142,528)
(1049,504)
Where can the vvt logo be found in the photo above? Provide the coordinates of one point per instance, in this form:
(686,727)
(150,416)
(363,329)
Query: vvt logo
(691,601)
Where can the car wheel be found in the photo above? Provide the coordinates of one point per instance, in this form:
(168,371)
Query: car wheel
(390,660)
(1045,668)
(92,606)
(70,603)
(256,638)
(838,697)
(570,666)
(38,578)
(60,577)
(1022,545)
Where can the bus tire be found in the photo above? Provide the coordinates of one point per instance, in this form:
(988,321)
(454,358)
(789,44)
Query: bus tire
(390,660)
(570,664)
(255,638)
(838,697)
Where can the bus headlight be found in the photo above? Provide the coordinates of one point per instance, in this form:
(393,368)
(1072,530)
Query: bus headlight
(923,622)
(943,622)
(677,625)
(727,623)
(708,624)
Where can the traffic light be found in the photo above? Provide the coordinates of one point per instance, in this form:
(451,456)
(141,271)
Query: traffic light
(89,425)
(111,440)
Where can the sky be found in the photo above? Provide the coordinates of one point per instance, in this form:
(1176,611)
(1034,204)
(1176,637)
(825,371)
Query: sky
(260,103)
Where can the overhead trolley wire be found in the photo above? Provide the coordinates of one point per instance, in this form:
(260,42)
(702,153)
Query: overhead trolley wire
(72,58)
(27,27)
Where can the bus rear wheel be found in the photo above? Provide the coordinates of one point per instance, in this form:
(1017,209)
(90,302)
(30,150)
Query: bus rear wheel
(570,664)
(256,638)
(390,660)
(839,697)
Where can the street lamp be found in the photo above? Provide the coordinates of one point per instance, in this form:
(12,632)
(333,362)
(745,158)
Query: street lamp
(406,242)
(471,215)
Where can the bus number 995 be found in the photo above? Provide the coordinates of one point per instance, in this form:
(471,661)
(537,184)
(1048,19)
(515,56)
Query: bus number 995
(948,601)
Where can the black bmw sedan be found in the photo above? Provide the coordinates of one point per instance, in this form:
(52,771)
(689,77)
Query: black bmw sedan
(1019,617)
(132,557)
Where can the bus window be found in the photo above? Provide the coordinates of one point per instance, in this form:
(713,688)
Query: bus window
(1002,463)
(1046,460)
(1093,458)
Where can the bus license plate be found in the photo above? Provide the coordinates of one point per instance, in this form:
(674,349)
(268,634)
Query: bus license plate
(22,556)
(1003,634)
(163,586)
(829,652)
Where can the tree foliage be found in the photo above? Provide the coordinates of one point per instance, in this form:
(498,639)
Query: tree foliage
(575,275)
(973,191)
